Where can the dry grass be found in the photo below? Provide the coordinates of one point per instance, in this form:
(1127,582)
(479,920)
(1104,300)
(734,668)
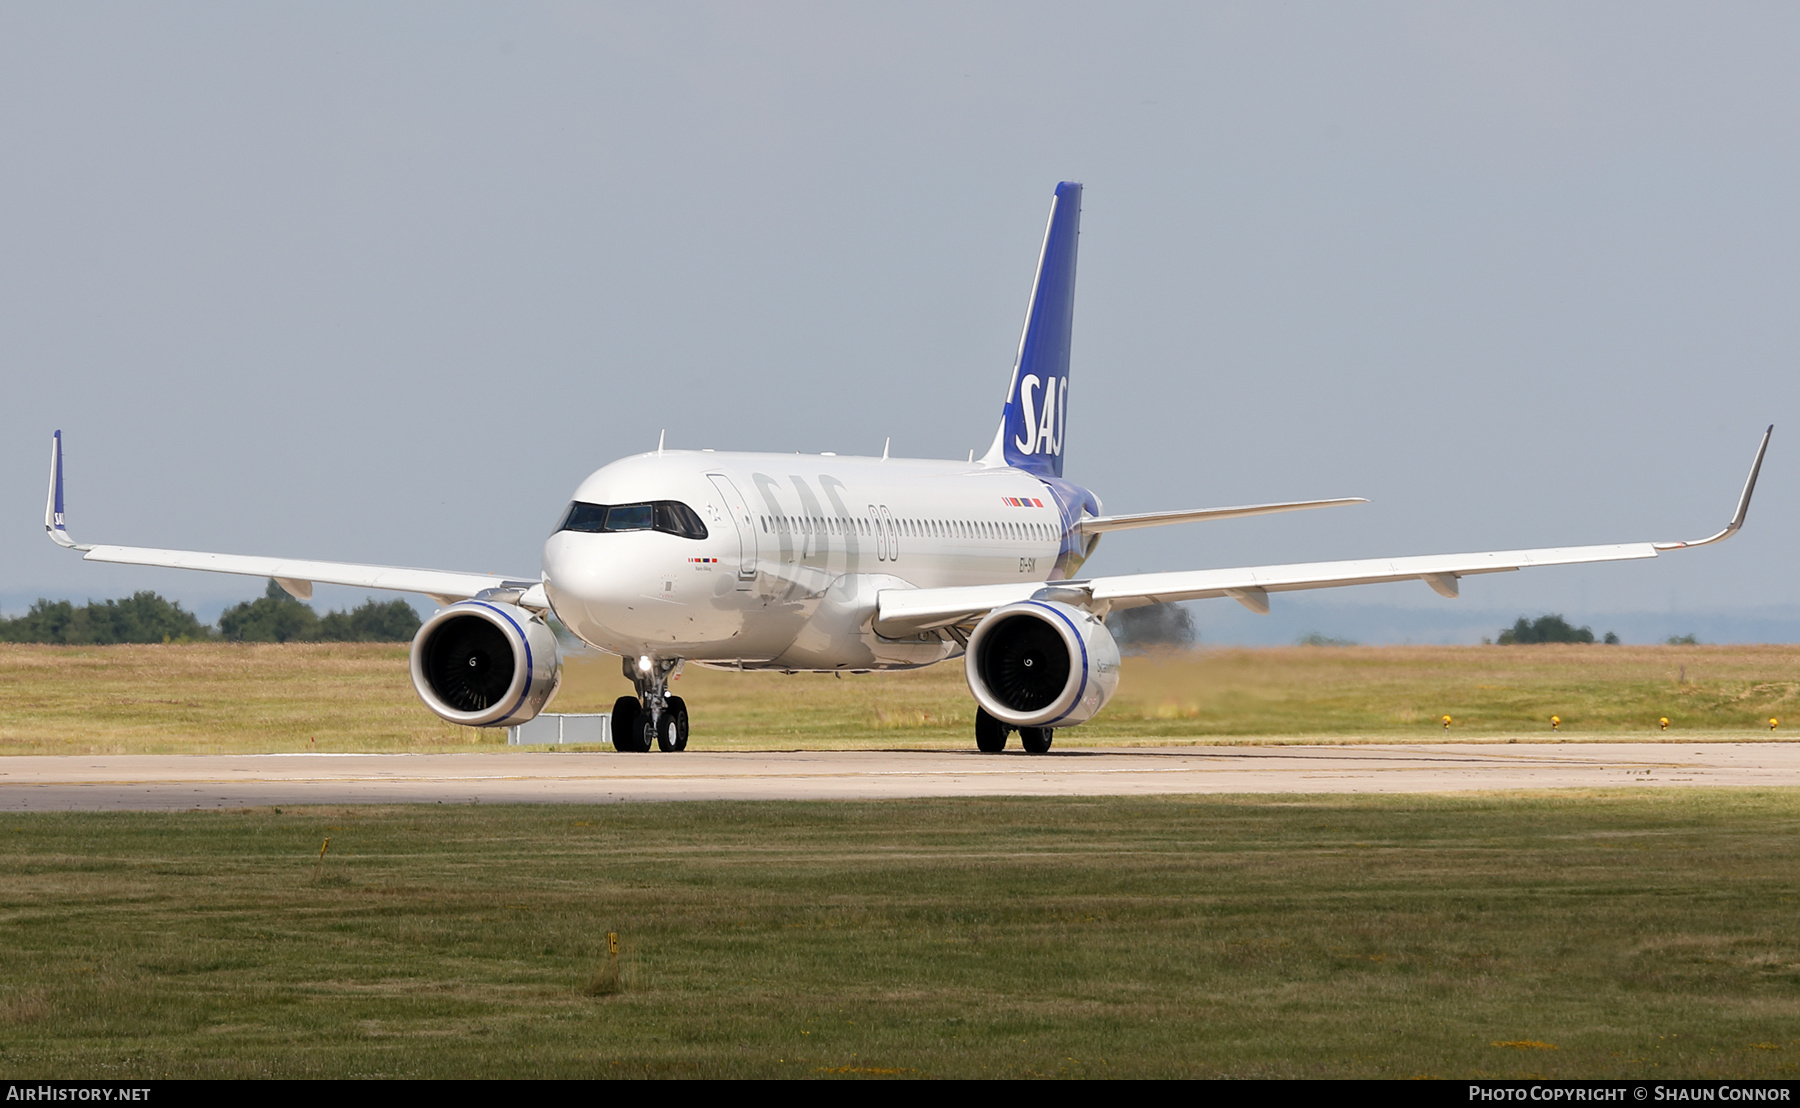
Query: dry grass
(1404,691)
(215,698)
(353,697)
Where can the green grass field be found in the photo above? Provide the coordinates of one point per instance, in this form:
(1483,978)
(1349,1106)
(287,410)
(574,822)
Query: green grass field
(1648,934)
(242,698)
(1570,934)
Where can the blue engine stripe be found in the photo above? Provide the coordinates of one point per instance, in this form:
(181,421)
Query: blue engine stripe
(1079,641)
(524,642)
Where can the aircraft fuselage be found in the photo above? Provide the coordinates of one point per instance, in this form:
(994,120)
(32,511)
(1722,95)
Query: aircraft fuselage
(795,548)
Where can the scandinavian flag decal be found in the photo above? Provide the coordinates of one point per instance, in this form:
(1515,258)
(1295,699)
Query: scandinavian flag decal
(1022,501)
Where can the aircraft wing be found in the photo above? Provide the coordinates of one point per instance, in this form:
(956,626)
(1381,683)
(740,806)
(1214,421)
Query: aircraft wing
(1102,524)
(911,611)
(298,576)
(295,575)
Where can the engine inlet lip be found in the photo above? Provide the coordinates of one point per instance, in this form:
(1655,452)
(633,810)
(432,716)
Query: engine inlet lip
(1024,663)
(1065,703)
(516,690)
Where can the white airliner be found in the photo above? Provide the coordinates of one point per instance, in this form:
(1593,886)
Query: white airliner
(825,563)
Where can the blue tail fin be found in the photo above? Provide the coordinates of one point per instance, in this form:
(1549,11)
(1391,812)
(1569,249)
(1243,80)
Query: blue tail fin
(1036,414)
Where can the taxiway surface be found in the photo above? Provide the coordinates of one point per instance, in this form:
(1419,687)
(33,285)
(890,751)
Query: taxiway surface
(180,782)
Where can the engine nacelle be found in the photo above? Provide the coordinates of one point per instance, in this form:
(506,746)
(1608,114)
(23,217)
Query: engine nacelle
(486,664)
(1042,663)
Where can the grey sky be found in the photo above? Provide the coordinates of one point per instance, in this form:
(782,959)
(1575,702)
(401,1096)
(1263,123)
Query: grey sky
(384,282)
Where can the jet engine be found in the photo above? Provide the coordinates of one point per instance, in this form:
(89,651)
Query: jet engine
(485,664)
(1042,663)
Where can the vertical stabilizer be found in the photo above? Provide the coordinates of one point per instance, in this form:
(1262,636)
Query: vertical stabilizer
(1033,423)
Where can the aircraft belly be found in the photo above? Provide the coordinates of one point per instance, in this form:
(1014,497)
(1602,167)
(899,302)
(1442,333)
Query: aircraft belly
(838,635)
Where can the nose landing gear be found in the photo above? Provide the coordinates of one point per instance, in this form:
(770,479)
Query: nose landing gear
(672,730)
(653,716)
(625,730)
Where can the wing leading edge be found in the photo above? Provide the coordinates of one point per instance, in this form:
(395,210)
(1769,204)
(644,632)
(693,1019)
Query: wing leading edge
(1103,524)
(296,575)
(911,611)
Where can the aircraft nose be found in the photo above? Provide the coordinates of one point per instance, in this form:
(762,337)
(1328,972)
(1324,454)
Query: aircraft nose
(575,577)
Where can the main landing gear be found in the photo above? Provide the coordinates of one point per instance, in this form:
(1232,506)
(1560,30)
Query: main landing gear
(652,716)
(990,735)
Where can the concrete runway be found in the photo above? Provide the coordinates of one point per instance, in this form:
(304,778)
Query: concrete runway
(180,782)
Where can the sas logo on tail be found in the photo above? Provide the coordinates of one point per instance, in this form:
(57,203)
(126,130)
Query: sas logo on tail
(1041,432)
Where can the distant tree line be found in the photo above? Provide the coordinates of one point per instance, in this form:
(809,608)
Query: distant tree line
(148,618)
(278,617)
(145,617)
(1549,628)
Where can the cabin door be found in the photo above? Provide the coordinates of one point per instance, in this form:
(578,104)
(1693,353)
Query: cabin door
(739,511)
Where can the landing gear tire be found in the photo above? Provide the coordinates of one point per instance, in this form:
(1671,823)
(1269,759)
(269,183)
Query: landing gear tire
(1036,740)
(673,734)
(627,734)
(990,733)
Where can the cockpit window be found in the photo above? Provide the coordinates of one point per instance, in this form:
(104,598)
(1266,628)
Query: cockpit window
(630,517)
(668,516)
(675,518)
(583,517)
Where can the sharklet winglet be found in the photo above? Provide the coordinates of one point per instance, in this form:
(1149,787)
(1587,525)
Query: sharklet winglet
(55,520)
(1743,505)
